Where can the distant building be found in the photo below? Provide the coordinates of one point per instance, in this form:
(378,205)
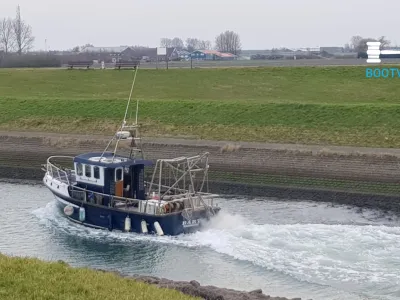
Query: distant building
(110,50)
(129,53)
(311,50)
(212,55)
(331,50)
(151,54)
(183,54)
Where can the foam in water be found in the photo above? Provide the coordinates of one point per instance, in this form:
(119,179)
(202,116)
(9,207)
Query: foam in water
(357,257)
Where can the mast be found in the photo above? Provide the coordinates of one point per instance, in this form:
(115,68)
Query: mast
(128,132)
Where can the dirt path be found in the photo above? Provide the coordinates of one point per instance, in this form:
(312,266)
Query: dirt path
(211,143)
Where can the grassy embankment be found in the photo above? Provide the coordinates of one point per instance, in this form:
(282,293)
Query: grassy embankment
(308,182)
(311,105)
(25,278)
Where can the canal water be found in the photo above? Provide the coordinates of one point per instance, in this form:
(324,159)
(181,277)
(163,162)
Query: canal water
(290,249)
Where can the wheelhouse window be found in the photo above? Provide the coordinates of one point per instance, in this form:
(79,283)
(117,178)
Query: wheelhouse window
(118,174)
(96,172)
(79,169)
(88,171)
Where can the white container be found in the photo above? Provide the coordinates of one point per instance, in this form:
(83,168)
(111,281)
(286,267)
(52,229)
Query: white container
(128,224)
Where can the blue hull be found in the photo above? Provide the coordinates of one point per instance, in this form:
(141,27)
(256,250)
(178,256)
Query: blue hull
(102,217)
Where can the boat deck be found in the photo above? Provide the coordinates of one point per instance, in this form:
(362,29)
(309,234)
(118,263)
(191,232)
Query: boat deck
(123,206)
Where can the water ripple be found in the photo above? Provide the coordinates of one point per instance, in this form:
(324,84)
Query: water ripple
(292,249)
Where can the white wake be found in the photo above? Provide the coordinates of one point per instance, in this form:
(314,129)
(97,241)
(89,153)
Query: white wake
(335,255)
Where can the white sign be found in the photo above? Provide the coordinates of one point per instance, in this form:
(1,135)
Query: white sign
(161,51)
(374,52)
(191,223)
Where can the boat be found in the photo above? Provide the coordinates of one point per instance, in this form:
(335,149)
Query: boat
(126,192)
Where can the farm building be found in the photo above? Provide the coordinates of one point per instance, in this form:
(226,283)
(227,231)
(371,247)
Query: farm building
(183,54)
(150,54)
(122,50)
(129,53)
(212,55)
(108,54)
(331,50)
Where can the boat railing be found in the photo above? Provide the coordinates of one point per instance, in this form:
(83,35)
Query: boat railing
(179,190)
(193,200)
(97,195)
(58,172)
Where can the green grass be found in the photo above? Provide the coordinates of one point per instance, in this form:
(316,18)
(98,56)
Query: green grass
(23,278)
(311,105)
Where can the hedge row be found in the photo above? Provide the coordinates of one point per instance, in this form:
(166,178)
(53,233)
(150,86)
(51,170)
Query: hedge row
(29,61)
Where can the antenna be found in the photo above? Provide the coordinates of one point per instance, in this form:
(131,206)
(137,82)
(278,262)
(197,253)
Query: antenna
(130,97)
(126,112)
(137,109)
(123,125)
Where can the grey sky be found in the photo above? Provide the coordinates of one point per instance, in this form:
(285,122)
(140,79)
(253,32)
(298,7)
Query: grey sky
(261,24)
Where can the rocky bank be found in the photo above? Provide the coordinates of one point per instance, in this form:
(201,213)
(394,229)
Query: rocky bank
(206,292)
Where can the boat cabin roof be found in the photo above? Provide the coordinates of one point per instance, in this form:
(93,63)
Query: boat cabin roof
(93,158)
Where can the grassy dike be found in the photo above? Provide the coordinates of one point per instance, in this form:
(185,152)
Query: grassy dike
(28,278)
(310,105)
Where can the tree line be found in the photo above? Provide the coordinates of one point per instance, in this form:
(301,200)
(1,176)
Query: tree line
(15,34)
(228,41)
(359,43)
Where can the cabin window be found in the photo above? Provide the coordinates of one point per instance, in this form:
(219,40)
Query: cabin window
(79,169)
(88,171)
(118,174)
(96,172)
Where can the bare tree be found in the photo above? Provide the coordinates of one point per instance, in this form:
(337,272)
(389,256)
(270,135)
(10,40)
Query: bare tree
(228,41)
(23,34)
(362,45)
(177,43)
(166,42)
(172,43)
(355,41)
(192,44)
(359,44)
(139,47)
(197,44)
(6,35)
(384,42)
(274,50)
(87,45)
(205,45)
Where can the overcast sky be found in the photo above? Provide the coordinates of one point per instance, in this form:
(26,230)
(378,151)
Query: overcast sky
(261,24)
